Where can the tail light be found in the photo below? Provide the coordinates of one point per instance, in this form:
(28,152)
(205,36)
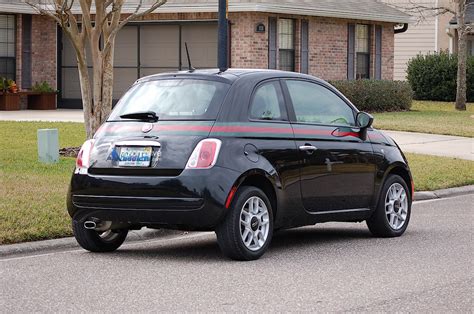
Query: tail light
(205,154)
(83,158)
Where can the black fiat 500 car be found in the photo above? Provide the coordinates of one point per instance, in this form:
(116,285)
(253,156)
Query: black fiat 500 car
(241,153)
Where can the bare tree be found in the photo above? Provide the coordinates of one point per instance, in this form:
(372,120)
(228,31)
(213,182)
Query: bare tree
(458,8)
(96,27)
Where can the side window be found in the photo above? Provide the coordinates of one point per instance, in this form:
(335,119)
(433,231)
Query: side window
(267,103)
(314,103)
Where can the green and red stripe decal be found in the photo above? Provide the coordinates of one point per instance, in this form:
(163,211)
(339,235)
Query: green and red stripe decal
(209,128)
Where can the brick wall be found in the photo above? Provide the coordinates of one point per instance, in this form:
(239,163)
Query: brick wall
(327,44)
(328,48)
(388,50)
(43,50)
(327,36)
(248,48)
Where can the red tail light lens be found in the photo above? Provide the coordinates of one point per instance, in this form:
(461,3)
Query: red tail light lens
(205,154)
(83,158)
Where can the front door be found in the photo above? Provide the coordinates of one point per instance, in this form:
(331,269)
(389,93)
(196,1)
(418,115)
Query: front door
(338,170)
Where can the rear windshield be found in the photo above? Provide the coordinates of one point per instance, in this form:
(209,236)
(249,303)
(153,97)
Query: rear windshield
(174,99)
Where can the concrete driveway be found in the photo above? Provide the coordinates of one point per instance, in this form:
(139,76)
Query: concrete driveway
(328,267)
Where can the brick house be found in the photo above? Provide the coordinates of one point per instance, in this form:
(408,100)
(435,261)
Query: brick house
(334,40)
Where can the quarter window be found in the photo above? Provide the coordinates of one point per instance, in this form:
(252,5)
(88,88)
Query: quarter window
(286,44)
(267,103)
(7,46)
(314,103)
(362,44)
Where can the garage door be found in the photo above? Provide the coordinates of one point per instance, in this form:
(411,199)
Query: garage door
(142,50)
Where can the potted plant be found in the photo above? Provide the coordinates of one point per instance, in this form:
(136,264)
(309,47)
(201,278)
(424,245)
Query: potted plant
(42,97)
(9,97)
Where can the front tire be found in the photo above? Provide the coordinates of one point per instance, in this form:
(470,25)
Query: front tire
(95,241)
(393,211)
(247,230)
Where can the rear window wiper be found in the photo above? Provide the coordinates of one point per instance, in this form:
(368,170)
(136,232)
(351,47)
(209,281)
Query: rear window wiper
(147,116)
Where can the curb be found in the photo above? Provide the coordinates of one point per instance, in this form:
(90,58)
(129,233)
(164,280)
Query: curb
(443,193)
(46,246)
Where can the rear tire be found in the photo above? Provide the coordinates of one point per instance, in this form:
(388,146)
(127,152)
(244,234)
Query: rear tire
(95,241)
(247,230)
(393,211)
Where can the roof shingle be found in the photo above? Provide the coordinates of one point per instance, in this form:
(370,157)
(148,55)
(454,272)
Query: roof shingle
(372,10)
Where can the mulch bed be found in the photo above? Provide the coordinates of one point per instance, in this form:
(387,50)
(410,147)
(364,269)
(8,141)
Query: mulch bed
(69,151)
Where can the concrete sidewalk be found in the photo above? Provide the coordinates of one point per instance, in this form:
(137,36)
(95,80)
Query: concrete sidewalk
(59,115)
(433,144)
(420,143)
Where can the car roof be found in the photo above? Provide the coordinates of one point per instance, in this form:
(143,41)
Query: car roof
(228,76)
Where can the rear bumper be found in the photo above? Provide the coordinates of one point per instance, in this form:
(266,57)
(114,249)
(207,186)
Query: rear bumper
(194,200)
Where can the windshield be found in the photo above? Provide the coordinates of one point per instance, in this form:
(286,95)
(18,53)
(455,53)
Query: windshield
(173,99)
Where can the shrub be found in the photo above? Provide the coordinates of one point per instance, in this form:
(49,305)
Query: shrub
(43,87)
(377,95)
(433,76)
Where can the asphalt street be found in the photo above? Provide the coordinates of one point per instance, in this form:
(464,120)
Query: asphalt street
(327,267)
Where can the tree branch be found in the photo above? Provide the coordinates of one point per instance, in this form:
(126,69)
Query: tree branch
(39,8)
(135,15)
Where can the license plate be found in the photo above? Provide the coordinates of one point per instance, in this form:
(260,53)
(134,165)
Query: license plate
(135,156)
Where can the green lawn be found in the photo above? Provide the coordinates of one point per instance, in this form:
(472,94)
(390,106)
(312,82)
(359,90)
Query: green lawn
(429,117)
(33,195)
(433,173)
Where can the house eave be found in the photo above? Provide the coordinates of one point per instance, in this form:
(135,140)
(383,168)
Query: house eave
(17,8)
(242,7)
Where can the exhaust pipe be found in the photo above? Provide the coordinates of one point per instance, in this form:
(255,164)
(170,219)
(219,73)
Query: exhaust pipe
(90,225)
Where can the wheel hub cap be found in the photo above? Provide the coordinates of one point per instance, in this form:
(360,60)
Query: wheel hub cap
(254,223)
(396,206)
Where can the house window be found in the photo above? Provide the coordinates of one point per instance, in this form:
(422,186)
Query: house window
(362,47)
(286,44)
(7,46)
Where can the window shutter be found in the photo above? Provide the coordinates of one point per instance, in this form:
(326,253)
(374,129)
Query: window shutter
(351,52)
(272,43)
(304,46)
(378,52)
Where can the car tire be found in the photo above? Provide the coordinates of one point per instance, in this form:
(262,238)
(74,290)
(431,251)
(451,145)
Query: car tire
(95,241)
(247,230)
(392,215)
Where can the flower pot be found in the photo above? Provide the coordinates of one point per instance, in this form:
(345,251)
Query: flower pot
(9,101)
(42,101)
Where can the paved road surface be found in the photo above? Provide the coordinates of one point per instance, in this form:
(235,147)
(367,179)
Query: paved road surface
(328,267)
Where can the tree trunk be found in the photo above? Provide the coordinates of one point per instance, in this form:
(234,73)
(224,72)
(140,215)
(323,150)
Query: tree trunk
(462,57)
(87,102)
(462,73)
(108,82)
(103,72)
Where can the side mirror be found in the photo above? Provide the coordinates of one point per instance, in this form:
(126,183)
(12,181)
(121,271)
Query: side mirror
(364,121)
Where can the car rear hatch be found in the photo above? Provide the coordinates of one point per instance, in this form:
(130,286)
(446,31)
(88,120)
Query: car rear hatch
(156,125)
(146,149)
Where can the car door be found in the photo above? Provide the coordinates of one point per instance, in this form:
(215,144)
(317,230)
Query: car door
(337,168)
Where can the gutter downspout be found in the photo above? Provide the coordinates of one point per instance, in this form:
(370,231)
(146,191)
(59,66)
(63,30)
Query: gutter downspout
(451,40)
(401,30)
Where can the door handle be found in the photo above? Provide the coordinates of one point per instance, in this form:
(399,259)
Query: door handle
(308,148)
